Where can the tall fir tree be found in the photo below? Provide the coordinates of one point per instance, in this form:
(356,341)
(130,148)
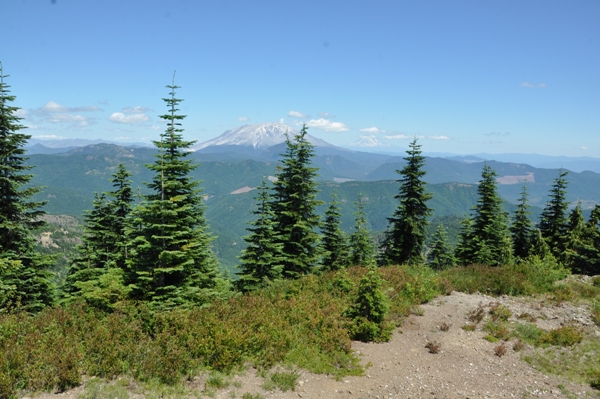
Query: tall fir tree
(334,242)
(103,250)
(488,241)
(440,256)
(294,205)
(580,254)
(553,220)
(262,259)
(24,271)
(362,250)
(522,227)
(405,237)
(170,262)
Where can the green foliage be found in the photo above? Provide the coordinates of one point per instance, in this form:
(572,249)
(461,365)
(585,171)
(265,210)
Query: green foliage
(440,255)
(531,276)
(553,221)
(405,236)
(262,259)
(528,332)
(334,242)
(498,330)
(562,336)
(294,206)
(595,310)
(170,262)
(369,310)
(522,228)
(29,284)
(486,239)
(284,380)
(362,250)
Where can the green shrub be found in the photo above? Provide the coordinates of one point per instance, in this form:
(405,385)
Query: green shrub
(527,332)
(497,329)
(595,379)
(562,336)
(500,312)
(284,380)
(595,311)
(369,310)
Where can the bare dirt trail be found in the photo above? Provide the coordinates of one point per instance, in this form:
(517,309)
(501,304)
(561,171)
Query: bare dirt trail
(466,365)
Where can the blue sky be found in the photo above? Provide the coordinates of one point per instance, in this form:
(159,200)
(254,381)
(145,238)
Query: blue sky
(462,76)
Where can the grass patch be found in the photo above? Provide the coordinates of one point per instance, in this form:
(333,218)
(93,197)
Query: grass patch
(562,336)
(527,332)
(498,330)
(595,312)
(576,363)
(284,380)
(96,388)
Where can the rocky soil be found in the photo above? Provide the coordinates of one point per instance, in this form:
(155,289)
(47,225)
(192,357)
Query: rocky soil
(465,365)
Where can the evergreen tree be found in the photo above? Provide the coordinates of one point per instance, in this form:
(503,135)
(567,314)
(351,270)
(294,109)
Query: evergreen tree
(522,228)
(170,262)
(464,247)
(334,242)
(593,234)
(440,256)
(362,251)
(488,241)
(405,237)
(580,254)
(294,205)
(553,222)
(24,271)
(103,247)
(262,259)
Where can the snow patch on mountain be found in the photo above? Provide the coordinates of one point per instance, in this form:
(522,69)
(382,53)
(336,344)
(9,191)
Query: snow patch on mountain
(263,135)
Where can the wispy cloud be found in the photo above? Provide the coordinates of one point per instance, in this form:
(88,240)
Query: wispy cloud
(397,137)
(532,85)
(130,115)
(243,119)
(497,134)
(52,106)
(326,115)
(584,147)
(372,130)
(327,125)
(297,114)
(53,112)
(48,137)
(438,137)
(21,113)
(120,117)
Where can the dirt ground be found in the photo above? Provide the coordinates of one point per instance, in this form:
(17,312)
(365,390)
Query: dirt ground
(466,365)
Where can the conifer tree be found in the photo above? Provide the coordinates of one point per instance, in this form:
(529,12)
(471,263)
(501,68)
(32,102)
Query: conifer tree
(464,247)
(522,228)
(103,248)
(580,254)
(24,271)
(406,234)
(362,250)
(170,261)
(440,256)
(488,241)
(294,205)
(262,258)
(553,221)
(334,242)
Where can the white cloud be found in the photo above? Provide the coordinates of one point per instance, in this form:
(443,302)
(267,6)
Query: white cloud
(438,137)
(497,134)
(243,119)
(135,110)
(297,114)
(325,115)
(52,107)
(78,120)
(155,127)
(122,138)
(372,130)
(21,113)
(584,147)
(120,117)
(48,137)
(397,137)
(327,125)
(282,121)
(532,85)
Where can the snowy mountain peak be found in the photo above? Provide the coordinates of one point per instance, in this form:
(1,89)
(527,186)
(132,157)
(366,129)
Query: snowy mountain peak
(260,136)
